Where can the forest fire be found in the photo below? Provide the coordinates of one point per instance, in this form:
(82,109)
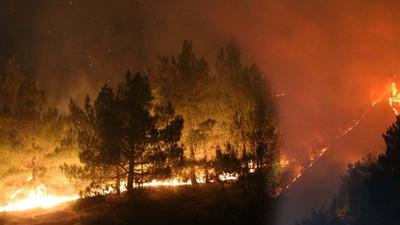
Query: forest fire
(39,198)
(150,112)
(283,162)
(393,101)
(36,198)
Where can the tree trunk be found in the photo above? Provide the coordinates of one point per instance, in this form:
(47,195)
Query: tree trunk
(141,177)
(207,174)
(131,171)
(118,182)
(192,168)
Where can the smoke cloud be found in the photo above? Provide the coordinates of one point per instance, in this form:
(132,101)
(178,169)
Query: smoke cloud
(331,58)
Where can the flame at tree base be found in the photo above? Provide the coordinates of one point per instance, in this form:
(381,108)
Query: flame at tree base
(39,198)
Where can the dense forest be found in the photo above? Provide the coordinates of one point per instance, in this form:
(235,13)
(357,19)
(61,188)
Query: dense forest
(183,122)
(272,114)
(34,136)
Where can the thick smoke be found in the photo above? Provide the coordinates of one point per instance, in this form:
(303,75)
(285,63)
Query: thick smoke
(328,57)
(331,58)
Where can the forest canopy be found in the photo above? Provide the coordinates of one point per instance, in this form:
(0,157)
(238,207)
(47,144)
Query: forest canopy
(183,121)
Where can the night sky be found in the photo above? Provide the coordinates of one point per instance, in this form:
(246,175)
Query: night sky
(331,59)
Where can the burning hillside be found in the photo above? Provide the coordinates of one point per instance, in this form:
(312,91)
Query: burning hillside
(390,96)
(320,179)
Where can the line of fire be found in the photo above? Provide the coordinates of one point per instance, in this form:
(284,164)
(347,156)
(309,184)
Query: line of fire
(139,112)
(34,195)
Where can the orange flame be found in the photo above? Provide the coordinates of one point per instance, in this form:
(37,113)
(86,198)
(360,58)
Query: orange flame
(37,198)
(283,162)
(394,100)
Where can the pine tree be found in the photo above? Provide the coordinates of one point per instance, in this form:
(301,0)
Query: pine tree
(97,128)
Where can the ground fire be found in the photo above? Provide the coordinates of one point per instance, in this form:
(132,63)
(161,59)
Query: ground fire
(23,199)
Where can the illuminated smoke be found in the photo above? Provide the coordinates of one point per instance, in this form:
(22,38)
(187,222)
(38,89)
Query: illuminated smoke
(393,101)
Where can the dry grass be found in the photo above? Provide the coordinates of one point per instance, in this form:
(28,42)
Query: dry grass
(173,205)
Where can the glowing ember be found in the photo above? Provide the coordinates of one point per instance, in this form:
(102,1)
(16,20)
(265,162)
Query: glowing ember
(283,162)
(155,183)
(166,183)
(280,95)
(37,198)
(298,174)
(229,176)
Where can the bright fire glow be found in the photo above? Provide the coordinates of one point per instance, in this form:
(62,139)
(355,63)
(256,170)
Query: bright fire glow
(280,95)
(37,198)
(315,157)
(174,182)
(394,100)
(283,162)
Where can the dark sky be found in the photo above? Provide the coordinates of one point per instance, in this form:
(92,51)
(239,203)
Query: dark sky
(331,58)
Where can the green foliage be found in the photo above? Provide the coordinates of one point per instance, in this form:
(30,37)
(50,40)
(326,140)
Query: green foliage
(21,95)
(138,132)
(235,105)
(126,131)
(10,85)
(30,136)
(96,129)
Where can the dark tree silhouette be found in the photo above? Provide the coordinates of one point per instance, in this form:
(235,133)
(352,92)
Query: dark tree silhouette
(370,189)
(127,132)
(97,127)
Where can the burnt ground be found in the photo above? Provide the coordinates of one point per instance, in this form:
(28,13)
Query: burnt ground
(203,204)
(60,215)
